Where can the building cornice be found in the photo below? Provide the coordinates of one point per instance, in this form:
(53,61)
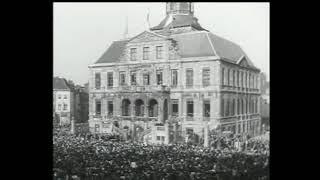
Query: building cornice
(181,60)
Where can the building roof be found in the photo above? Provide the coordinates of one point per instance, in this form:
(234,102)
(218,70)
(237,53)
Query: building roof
(191,44)
(113,53)
(175,21)
(60,84)
(228,50)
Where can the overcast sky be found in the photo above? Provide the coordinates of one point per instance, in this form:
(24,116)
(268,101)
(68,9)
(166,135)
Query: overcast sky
(83,31)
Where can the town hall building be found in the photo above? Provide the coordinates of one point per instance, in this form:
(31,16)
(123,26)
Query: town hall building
(174,80)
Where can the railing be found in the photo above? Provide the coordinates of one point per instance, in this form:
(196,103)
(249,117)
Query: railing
(142,88)
(160,128)
(134,118)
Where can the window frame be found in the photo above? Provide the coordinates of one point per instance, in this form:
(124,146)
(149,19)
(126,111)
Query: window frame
(146,53)
(133,54)
(159,72)
(206,102)
(222,76)
(148,80)
(206,77)
(190,114)
(109,80)
(174,102)
(97,101)
(189,77)
(65,107)
(122,82)
(97,80)
(133,74)
(174,77)
(159,52)
(110,103)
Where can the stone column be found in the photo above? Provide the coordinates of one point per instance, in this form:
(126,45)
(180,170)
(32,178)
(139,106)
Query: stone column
(153,132)
(160,110)
(174,132)
(146,112)
(198,107)
(133,128)
(72,126)
(132,110)
(206,135)
(166,128)
(117,106)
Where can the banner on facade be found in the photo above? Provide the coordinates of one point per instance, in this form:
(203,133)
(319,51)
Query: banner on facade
(81,127)
(107,127)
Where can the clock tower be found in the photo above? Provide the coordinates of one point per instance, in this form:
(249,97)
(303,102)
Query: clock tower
(179,8)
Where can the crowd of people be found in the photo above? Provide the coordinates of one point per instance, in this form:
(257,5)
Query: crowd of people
(108,157)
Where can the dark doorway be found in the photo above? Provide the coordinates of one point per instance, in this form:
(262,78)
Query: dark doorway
(126,107)
(153,108)
(139,107)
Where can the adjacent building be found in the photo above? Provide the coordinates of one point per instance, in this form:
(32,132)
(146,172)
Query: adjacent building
(265,102)
(62,101)
(70,102)
(174,80)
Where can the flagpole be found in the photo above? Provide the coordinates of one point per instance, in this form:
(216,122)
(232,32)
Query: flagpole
(148,21)
(125,34)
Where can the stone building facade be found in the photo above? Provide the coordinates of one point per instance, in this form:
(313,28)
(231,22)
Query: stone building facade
(173,80)
(70,102)
(63,100)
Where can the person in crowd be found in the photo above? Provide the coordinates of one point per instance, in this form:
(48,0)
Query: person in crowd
(108,157)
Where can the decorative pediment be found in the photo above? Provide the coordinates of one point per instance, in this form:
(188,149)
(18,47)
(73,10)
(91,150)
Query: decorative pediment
(146,37)
(243,62)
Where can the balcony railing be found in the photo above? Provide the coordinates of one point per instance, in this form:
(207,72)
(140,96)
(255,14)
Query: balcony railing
(143,88)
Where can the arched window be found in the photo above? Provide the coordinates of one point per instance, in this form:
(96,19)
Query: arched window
(153,108)
(126,107)
(139,107)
